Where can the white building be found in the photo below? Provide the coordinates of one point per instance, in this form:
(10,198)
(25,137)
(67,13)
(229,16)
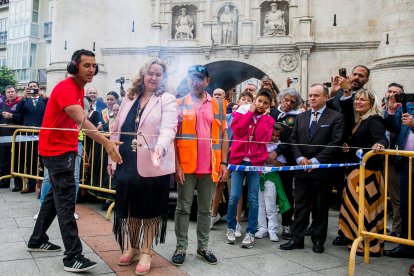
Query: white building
(313,40)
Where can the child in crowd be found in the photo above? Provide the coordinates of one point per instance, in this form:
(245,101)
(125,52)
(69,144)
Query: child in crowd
(270,185)
(252,129)
(244,98)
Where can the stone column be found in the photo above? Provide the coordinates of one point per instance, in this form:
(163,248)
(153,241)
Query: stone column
(304,54)
(156,26)
(157,10)
(247,8)
(246,32)
(208,10)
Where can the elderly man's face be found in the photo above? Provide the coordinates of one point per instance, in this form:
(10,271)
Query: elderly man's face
(288,102)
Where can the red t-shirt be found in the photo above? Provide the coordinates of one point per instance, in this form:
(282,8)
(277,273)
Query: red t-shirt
(58,142)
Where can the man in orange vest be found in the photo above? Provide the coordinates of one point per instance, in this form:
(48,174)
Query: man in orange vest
(201,160)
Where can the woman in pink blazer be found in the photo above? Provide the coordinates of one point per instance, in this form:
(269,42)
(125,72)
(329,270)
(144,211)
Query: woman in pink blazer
(146,124)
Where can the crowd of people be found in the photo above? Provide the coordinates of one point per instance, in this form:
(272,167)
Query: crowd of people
(156,138)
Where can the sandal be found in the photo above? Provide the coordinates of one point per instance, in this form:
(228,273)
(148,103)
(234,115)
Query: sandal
(127,260)
(144,269)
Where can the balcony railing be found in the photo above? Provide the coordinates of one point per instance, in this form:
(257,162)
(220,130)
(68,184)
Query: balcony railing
(48,30)
(3,39)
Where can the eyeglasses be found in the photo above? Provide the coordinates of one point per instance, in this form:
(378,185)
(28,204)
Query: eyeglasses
(249,90)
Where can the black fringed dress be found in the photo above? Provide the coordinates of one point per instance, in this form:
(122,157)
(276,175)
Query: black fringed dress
(141,203)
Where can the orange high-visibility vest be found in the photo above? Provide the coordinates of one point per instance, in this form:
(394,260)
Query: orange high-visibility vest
(186,140)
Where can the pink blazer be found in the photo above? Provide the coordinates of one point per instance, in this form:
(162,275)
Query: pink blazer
(159,125)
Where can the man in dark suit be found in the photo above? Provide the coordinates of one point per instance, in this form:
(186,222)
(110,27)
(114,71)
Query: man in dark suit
(31,110)
(319,126)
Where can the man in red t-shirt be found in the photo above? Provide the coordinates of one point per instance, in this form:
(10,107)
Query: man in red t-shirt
(58,145)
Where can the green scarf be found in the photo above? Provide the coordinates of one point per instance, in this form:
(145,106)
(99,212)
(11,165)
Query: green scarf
(281,198)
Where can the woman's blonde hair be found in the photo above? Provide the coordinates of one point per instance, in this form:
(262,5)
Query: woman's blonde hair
(375,105)
(137,85)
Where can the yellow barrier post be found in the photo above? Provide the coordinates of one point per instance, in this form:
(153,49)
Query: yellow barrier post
(363,234)
(29,173)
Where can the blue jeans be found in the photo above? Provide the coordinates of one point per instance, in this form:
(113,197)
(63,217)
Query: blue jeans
(46,180)
(253,180)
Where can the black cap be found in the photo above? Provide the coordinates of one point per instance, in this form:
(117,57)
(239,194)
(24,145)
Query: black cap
(198,71)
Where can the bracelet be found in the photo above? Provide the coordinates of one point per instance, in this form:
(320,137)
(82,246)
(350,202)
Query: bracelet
(224,163)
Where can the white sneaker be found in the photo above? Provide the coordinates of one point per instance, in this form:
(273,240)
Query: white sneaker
(260,234)
(214,220)
(273,237)
(35,216)
(238,233)
(230,237)
(248,241)
(76,215)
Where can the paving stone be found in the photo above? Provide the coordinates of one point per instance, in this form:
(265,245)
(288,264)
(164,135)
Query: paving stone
(307,258)
(25,222)
(19,267)
(8,223)
(13,251)
(267,264)
(10,236)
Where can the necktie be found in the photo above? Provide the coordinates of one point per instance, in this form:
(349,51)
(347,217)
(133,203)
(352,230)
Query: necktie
(313,124)
(34,102)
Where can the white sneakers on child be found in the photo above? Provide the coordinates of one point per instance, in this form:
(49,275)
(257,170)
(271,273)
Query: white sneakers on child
(230,236)
(248,241)
(214,220)
(273,237)
(238,233)
(260,234)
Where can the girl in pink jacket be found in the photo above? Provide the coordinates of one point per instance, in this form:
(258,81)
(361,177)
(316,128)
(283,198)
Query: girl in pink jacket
(252,129)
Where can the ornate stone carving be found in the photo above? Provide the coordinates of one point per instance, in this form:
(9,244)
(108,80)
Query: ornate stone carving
(274,22)
(228,25)
(184,26)
(288,62)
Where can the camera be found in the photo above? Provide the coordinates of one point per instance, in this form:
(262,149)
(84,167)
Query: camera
(121,80)
(403,99)
(342,72)
(34,91)
(327,84)
(294,80)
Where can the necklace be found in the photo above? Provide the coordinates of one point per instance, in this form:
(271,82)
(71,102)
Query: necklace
(140,110)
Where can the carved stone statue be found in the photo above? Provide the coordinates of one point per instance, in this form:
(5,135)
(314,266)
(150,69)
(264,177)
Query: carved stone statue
(274,22)
(184,26)
(228,26)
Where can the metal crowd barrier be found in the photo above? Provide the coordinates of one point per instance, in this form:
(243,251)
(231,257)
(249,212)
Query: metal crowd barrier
(363,234)
(25,163)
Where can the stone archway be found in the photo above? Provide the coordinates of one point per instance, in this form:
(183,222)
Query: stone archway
(225,74)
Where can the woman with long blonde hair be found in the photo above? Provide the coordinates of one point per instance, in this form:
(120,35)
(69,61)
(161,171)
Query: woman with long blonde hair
(146,124)
(368,132)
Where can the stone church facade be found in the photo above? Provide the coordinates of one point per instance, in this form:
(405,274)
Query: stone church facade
(239,39)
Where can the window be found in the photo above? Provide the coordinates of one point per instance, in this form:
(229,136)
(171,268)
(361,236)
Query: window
(35,13)
(23,18)
(3,61)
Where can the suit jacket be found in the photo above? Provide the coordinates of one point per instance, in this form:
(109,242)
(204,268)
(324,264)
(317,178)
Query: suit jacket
(159,125)
(329,132)
(31,115)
